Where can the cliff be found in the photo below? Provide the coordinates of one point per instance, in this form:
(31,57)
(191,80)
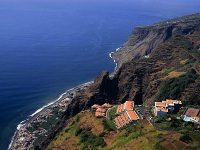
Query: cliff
(144,40)
(173,49)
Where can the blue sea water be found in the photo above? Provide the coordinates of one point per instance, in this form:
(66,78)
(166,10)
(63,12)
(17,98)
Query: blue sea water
(49,46)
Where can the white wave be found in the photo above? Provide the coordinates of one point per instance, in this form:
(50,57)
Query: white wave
(40,109)
(11,142)
(21,124)
(118,49)
(110,55)
(60,97)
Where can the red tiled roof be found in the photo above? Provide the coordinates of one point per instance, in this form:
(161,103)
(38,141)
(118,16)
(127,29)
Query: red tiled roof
(129,105)
(120,108)
(132,115)
(192,112)
(95,106)
(117,122)
(120,121)
(102,110)
(127,117)
(124,119)
(99,114)
(106,105)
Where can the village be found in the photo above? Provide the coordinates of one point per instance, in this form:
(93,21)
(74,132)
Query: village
(129,113)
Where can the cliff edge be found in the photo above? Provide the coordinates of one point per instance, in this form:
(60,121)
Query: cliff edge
(144,40)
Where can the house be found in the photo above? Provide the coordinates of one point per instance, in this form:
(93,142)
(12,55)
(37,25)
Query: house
(100,110)
(132,115)
(127,106)
(166,107)
(125,114)
(95,106)
(192,115)
(99,114)
(106,105)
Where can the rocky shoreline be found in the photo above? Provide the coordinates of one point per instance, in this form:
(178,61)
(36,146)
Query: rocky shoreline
(23,138)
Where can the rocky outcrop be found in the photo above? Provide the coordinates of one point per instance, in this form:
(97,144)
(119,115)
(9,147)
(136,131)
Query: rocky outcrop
(104,90)
(144,40)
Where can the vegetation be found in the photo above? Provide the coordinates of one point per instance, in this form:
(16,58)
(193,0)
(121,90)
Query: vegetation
(194,99)
(109,125)
(171,123)
(196,53)
(112,112)
(89,140)
(85,131)
(159,147)
(185,138)
(167,71)
(109,122)
(172,88)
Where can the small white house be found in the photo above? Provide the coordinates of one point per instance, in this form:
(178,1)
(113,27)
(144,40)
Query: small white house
(165,107)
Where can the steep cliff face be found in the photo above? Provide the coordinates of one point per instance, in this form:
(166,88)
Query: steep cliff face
(104,89)
(144,40)
(141,80)
(174,52)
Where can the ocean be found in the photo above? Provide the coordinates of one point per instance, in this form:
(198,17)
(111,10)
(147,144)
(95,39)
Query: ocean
(49,46)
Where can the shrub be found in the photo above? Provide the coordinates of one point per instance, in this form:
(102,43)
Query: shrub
(159,119)
(175,123)
(157,146)
(186,138)
(109,125)
(78,131)
(66,129)
(172,88)
(90,139)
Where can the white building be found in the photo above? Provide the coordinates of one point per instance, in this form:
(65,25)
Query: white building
(165,107)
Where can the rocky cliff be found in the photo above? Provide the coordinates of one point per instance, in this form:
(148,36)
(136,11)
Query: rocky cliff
(144,40)
(173,49)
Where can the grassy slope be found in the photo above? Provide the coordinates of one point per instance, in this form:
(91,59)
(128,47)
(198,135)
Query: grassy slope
(142,135)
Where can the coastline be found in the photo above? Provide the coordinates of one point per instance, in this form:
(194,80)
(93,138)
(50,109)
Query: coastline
(116,65)
(66,95)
